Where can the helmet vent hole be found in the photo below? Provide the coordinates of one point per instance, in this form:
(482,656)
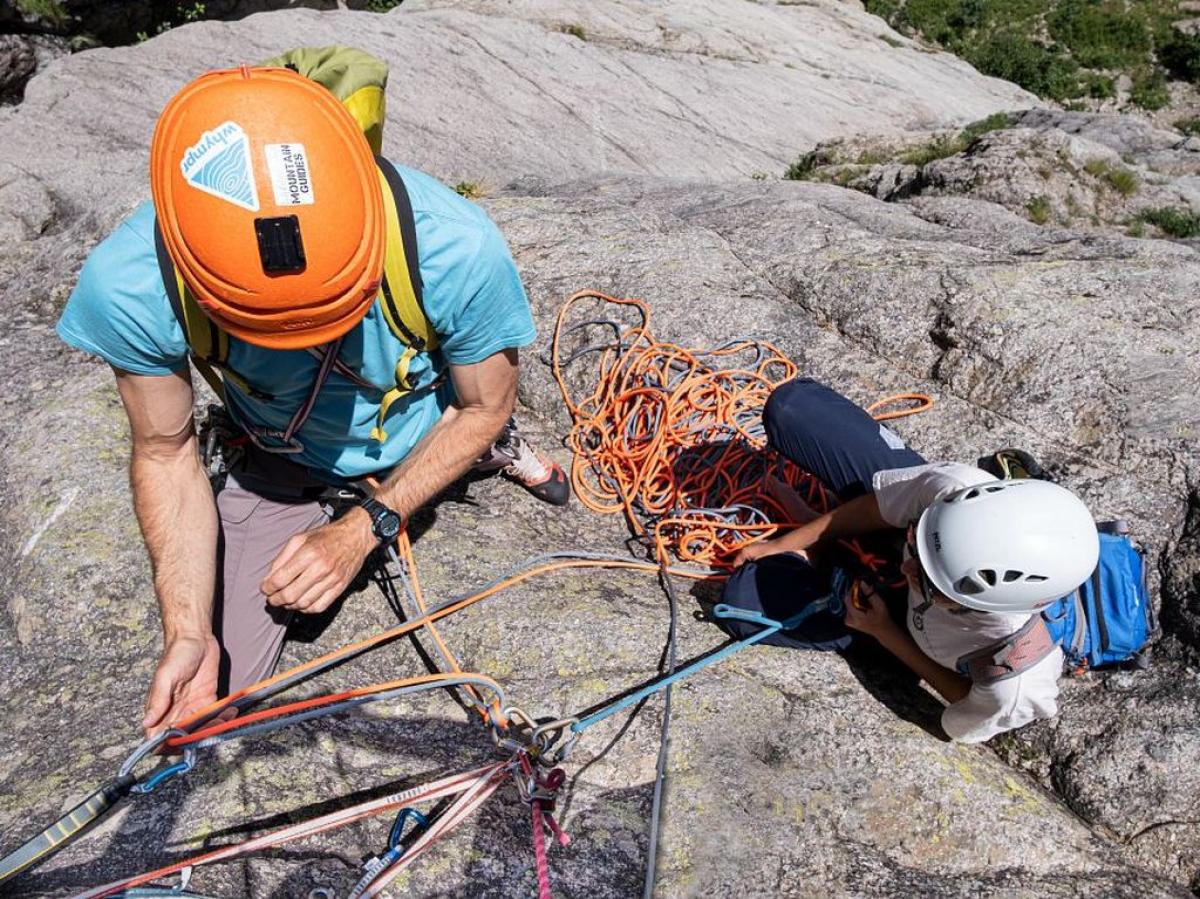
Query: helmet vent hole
(969,586)
(994,488)
(970,494)
(989,576)
(1011,575)
(1036,578)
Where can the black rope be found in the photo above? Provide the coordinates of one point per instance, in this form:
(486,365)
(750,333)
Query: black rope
(664,740)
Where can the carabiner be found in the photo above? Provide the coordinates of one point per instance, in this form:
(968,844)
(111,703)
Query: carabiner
(164,772)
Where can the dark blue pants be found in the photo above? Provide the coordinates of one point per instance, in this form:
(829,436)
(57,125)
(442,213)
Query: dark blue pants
(831,437)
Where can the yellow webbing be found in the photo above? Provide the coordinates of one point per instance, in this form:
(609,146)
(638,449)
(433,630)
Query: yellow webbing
(401,310)
(368,106)
(199,333)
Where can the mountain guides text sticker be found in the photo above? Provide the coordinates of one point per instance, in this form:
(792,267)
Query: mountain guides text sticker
(290,180)
(219,164)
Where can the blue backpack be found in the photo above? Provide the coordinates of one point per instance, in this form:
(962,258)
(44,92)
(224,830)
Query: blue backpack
(1110,618)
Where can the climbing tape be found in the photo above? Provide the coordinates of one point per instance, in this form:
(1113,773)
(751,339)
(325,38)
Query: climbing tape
(68,827)
(453,785)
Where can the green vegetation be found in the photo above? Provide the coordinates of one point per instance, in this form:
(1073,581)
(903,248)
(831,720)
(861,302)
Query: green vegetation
(1189,126)
(871,157)
(940,147)
(1100,35)
(574,31)
(472,190)
(382,5)
(1149,90)
(1059,49)
(1180,54)
(809,166)
(1038,210)
(180,15)
(1099,87)
(948,145)
(804,167)
(49,11)
(1173,220)
(1123,181)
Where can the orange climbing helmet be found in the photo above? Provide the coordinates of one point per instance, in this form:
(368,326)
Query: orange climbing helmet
(270,205)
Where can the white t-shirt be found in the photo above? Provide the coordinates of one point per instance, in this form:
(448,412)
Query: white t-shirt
(945,634)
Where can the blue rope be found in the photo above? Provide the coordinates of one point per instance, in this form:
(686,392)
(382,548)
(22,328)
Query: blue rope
(727,612)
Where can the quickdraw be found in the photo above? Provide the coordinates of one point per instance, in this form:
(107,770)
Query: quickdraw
(666,438)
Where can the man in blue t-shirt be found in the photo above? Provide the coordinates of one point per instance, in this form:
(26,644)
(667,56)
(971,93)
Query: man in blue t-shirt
(271,208)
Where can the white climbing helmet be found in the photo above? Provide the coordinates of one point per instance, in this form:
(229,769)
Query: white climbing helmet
(1008,546)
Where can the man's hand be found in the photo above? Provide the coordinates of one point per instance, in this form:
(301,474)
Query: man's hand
(314,568)
(185,682)
(867,613)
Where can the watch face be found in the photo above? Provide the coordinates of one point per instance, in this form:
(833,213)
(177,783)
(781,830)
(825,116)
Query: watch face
(389,526)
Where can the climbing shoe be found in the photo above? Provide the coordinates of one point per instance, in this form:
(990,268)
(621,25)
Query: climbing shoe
(514,457)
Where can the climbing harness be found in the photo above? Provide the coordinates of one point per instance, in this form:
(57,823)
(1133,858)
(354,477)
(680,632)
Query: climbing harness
(666,438)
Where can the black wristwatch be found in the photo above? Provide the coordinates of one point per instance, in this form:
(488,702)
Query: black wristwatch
(385,524)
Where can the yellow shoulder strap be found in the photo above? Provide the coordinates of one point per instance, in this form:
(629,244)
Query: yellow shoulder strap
(207,344)
(400,296)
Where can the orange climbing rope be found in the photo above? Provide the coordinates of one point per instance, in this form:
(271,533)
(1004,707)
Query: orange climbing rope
(673,436)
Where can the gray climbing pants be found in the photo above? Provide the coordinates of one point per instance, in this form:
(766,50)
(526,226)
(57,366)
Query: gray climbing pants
(264,503)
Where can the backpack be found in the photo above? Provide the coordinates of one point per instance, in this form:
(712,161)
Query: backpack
(777,587)
(1109,620)
(358,80)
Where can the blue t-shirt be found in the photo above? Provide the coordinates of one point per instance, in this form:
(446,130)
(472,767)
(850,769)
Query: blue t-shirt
(472,294)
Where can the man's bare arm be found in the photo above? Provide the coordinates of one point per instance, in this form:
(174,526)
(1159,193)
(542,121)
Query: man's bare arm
(178,518)
(314,568)
(487,392)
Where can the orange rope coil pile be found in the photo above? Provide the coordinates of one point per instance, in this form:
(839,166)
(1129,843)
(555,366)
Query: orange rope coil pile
(673,436)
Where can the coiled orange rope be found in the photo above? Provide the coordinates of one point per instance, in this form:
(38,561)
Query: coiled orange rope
(673,437)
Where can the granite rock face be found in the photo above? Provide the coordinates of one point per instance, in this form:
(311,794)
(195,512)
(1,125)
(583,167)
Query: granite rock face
(20,56)
(1089,171)
(790,773)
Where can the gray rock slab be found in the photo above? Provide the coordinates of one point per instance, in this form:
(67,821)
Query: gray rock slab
(487,92)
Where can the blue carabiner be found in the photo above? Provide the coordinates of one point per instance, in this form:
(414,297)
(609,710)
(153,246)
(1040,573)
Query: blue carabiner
(155,780)
(397,834)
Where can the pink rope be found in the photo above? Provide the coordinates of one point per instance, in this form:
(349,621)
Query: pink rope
(539,851)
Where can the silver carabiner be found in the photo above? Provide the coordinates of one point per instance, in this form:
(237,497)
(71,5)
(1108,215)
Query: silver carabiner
(545,736)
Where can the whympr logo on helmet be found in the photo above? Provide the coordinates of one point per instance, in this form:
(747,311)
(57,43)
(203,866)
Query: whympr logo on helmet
(219,164)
